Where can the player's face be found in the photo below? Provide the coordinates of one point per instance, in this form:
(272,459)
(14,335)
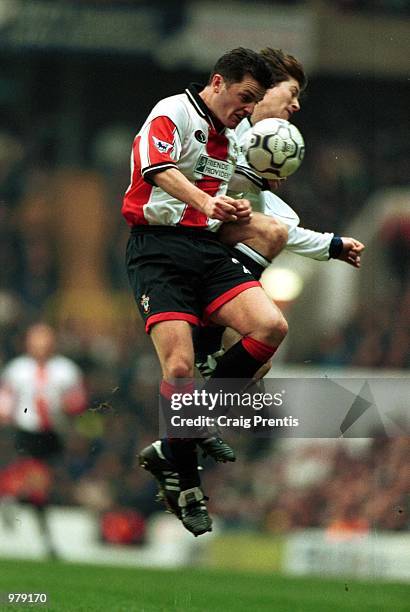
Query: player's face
(40,341)
(279,102)
(233,102)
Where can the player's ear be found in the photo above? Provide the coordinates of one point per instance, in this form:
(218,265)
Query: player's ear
(216,82)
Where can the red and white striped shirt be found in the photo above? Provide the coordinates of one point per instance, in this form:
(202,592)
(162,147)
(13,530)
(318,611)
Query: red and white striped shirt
(181,133)
(38,397)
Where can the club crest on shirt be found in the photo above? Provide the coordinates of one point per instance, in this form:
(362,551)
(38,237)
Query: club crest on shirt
(161,145)
(200,136)
(145,303)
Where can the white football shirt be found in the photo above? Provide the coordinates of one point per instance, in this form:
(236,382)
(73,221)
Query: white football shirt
(249,184)
(38,397)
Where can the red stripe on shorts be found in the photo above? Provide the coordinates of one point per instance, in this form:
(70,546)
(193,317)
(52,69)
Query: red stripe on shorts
(171,316)
(228,295)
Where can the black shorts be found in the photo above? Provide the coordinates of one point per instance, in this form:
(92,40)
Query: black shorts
(40,445)
(179,273)
(253,266)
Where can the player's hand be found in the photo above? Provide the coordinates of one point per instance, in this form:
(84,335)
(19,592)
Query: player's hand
(274,184)
(222,208)
(351,252)
(243,210)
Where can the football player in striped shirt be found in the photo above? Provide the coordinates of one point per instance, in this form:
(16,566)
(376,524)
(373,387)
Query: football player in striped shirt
(181,274)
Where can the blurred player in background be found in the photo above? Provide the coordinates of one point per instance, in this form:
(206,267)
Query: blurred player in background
(180,272)
(39,391)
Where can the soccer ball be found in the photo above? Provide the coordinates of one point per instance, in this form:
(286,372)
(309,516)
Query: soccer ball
(274,148)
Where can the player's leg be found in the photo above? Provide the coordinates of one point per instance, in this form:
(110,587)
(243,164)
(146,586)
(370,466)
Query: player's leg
(208,347)
(231,337)
(265,235)
(229,281)
(262,327)
(46,449)
(173,344)
(168,307)
(173,461)
(256,244)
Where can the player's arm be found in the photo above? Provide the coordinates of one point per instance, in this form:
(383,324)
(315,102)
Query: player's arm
(349,251)
(7,400)
(223,208)
(323,246)
(74,398)
(159,148)
(309,243)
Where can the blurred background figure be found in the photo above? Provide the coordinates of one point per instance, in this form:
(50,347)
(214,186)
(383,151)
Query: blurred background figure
(39,391)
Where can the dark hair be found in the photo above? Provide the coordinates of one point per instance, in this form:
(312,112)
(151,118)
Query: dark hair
(283,66)
(238,63)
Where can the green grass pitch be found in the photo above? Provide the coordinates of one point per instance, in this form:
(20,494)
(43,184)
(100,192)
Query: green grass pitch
(83,588)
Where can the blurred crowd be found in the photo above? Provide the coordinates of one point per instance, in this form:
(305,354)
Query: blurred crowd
(45,253)
(389,7)
(347,487)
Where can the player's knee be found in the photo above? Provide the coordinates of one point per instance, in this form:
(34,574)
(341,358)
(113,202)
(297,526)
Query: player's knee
(275,236)
(281,327)
(274,330)
(179,367)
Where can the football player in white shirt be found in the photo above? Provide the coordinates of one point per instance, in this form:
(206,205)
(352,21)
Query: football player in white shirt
(281,101)
(39,391)
(261,240)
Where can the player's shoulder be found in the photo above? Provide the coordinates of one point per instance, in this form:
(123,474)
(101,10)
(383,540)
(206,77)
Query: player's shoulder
(19,362)
(64,364)
(17,368)
(242,130)
(62,360)
(274,205)
(172,105)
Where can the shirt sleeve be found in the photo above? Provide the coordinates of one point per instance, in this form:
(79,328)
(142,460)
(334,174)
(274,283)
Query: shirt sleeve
(309,243)
(301,241)
(274,206)
(7,395)
(159,147)
(74,395)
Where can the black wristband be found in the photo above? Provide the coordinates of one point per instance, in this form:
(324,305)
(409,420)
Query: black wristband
(265,184)
(335,247)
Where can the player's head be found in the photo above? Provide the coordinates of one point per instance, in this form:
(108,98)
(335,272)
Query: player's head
(40,341)
(281,100)
(237,82)
(284,66)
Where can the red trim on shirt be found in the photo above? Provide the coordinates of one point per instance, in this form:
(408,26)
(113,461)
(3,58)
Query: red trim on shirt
(161,132)
(171,316)
(138,193)
(161,129)
(228,295)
